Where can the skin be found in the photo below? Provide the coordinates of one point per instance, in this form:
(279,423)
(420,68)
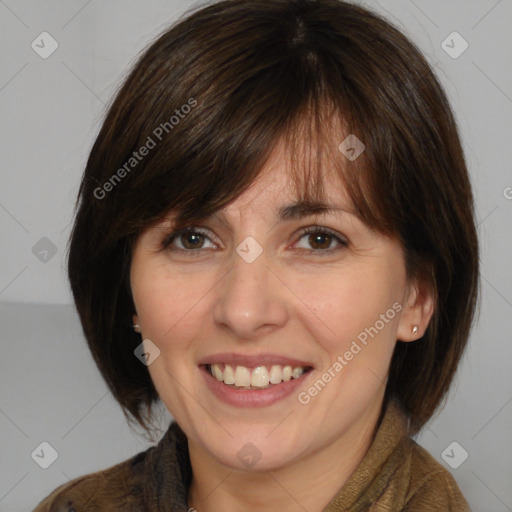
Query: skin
(293,301)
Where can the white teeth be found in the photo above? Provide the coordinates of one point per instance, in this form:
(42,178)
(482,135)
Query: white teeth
(276,375)
(287,373)
(229,376)
(242,376)
(217,372)
(297,372)
(258,377)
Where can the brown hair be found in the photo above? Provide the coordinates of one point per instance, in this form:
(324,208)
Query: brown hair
(210,98)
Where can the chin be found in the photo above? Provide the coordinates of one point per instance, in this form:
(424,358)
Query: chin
(254,457)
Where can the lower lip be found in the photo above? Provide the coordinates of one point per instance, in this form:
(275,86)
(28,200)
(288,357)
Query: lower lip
(251,397)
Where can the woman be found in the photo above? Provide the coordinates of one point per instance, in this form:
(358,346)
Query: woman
(275,237)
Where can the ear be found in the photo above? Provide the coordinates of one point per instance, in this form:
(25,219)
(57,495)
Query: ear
(136,326)
(417,312)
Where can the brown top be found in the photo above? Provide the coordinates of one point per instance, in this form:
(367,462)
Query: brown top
(396,474)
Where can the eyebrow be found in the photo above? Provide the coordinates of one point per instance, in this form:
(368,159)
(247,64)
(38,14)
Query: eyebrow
(294,211)
(300,209)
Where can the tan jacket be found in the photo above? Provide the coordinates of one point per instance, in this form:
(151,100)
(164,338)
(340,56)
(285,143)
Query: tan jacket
(396,474)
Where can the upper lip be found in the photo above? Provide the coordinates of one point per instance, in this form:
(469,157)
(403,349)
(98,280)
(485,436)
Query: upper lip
(252,361)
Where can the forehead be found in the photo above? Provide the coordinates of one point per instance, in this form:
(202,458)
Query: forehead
(285,187)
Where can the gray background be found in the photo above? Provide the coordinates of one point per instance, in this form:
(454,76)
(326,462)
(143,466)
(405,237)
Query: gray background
(51,110)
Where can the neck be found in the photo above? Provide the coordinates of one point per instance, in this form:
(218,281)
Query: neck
(307,484)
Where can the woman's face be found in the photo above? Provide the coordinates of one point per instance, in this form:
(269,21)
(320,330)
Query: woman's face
(256,290)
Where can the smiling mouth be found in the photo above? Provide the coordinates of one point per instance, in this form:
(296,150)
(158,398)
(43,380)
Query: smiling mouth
(257,378)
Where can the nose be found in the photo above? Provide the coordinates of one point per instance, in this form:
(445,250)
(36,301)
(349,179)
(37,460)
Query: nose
(252,300)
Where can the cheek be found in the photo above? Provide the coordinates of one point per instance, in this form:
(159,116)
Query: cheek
(357,336)
(168,306)
(166,302)
(356,313)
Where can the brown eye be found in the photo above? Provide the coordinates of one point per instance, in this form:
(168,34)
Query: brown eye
(187,239)
(191,240)
(321,240)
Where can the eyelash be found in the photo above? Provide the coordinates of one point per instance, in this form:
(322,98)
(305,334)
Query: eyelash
(166,243)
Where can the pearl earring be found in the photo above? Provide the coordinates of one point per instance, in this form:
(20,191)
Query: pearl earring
(415,329)
(136,327)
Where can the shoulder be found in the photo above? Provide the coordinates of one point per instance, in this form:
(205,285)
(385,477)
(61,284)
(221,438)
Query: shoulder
(432,487)
(152,478)
(102,490)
